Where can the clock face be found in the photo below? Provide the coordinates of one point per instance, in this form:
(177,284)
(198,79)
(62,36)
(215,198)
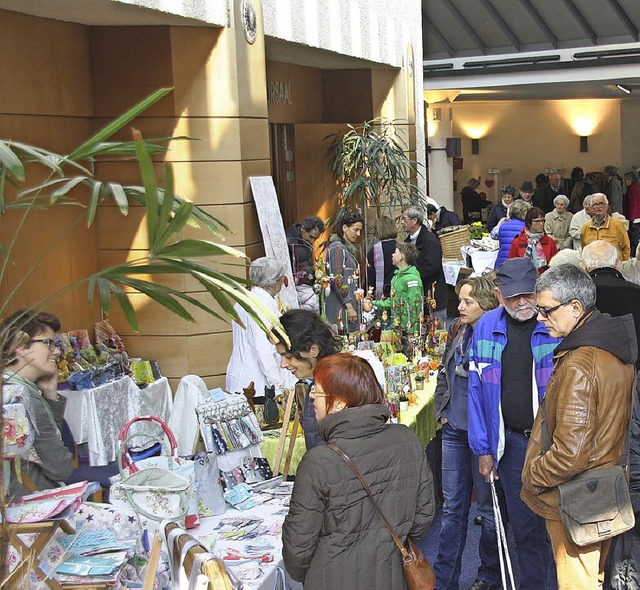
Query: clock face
(249,21)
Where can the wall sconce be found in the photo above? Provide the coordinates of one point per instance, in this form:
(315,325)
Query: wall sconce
(584,143)
(475,146)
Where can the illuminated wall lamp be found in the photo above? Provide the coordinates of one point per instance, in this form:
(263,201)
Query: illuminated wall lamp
(584,144)
(475,146)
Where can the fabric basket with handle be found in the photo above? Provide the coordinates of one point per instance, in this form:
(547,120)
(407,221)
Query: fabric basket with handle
(157,493)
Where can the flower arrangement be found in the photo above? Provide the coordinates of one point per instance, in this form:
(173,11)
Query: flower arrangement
(477,230)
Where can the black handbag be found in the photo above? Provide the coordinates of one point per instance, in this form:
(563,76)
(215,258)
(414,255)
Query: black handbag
(595,505)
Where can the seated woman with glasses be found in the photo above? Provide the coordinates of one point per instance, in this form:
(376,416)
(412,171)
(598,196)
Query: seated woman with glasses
(533,242)
(333,538)
(29,352)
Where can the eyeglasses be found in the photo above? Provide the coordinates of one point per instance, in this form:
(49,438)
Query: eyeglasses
(315,392)
(598,204)
(51,344)
(545,312)
(537,221)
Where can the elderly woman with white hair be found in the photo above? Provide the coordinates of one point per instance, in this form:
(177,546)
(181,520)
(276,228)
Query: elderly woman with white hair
(558,221)
(254,357)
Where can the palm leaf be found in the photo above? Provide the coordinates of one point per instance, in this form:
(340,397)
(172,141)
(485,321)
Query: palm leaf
(82,151)
(11,162)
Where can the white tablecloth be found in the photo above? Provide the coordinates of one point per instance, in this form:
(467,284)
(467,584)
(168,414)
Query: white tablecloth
(205,532)
(451,269)
(96,416)
(480,260)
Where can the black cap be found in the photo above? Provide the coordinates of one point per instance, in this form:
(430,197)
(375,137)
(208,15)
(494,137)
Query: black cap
(516,276)
(527,186)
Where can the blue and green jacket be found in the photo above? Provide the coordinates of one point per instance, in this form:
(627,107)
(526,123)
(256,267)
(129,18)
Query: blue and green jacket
(486,425)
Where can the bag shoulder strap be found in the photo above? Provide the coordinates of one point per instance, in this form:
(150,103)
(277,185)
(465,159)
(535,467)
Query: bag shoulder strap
(349,462)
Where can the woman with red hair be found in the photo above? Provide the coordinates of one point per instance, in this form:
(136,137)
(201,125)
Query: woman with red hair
(333,537)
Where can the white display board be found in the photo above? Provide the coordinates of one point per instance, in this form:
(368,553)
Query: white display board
(275,240)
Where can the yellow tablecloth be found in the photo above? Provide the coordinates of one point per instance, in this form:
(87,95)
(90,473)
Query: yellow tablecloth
(420,417)
(269,448)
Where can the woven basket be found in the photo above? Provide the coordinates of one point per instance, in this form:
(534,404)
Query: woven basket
(454,240)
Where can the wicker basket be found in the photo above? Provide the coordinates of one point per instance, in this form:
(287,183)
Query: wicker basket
(453,240)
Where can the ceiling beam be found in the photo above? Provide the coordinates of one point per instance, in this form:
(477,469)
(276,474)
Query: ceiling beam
(466,26)
(544,27)
(429,26)
(586,27)
(506,29)
(624,18)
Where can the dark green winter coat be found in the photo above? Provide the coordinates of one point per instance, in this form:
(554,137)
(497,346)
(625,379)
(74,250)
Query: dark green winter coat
(333,539)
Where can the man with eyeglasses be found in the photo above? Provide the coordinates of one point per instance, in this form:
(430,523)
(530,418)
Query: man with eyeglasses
(300,238)
(605,227)
(31,375)
(510,360)
(587,407)
(429,262)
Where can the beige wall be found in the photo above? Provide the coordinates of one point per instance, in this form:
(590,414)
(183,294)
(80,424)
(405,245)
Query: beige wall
(220,100)
(306,93)
(47,100)
(68,80)
(526,137)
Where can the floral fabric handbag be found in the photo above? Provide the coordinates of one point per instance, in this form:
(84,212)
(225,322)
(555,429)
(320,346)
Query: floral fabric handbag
(155,487)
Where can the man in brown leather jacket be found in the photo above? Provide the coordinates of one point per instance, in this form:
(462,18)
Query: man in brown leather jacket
(588,404)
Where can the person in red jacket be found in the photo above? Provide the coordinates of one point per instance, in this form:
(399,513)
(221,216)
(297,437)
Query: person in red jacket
(533,243)
(632,207)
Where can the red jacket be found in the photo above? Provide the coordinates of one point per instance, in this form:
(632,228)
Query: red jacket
(519,247)
(632,202)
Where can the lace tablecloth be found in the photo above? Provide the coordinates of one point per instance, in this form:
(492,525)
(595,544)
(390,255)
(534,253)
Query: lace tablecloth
(96,416)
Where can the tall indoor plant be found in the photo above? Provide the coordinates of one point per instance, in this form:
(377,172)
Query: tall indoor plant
(371,168)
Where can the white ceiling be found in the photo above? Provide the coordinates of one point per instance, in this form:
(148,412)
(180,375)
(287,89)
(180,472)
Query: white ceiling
(532,49)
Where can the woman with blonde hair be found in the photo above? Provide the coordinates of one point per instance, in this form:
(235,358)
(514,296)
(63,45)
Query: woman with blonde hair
(460,470)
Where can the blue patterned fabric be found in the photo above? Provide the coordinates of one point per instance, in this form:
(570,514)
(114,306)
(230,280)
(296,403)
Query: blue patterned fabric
(486,427)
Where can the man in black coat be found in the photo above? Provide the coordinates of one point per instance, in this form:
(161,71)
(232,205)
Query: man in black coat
(429,263)
(614,295)
(543,196)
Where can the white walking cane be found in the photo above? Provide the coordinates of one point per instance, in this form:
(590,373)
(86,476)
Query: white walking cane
(503,549)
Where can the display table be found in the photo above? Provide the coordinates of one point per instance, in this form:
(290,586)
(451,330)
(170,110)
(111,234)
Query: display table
(96,416)
(420,417)
(269,448)
(480,259)
(207,535)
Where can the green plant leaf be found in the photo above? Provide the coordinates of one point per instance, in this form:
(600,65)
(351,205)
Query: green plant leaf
(176,224)
(114,126)
(94,201)
(168,196)
(149,181)
(128,310)
(120,197)
(198,248)
(67,186)
(11,162)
